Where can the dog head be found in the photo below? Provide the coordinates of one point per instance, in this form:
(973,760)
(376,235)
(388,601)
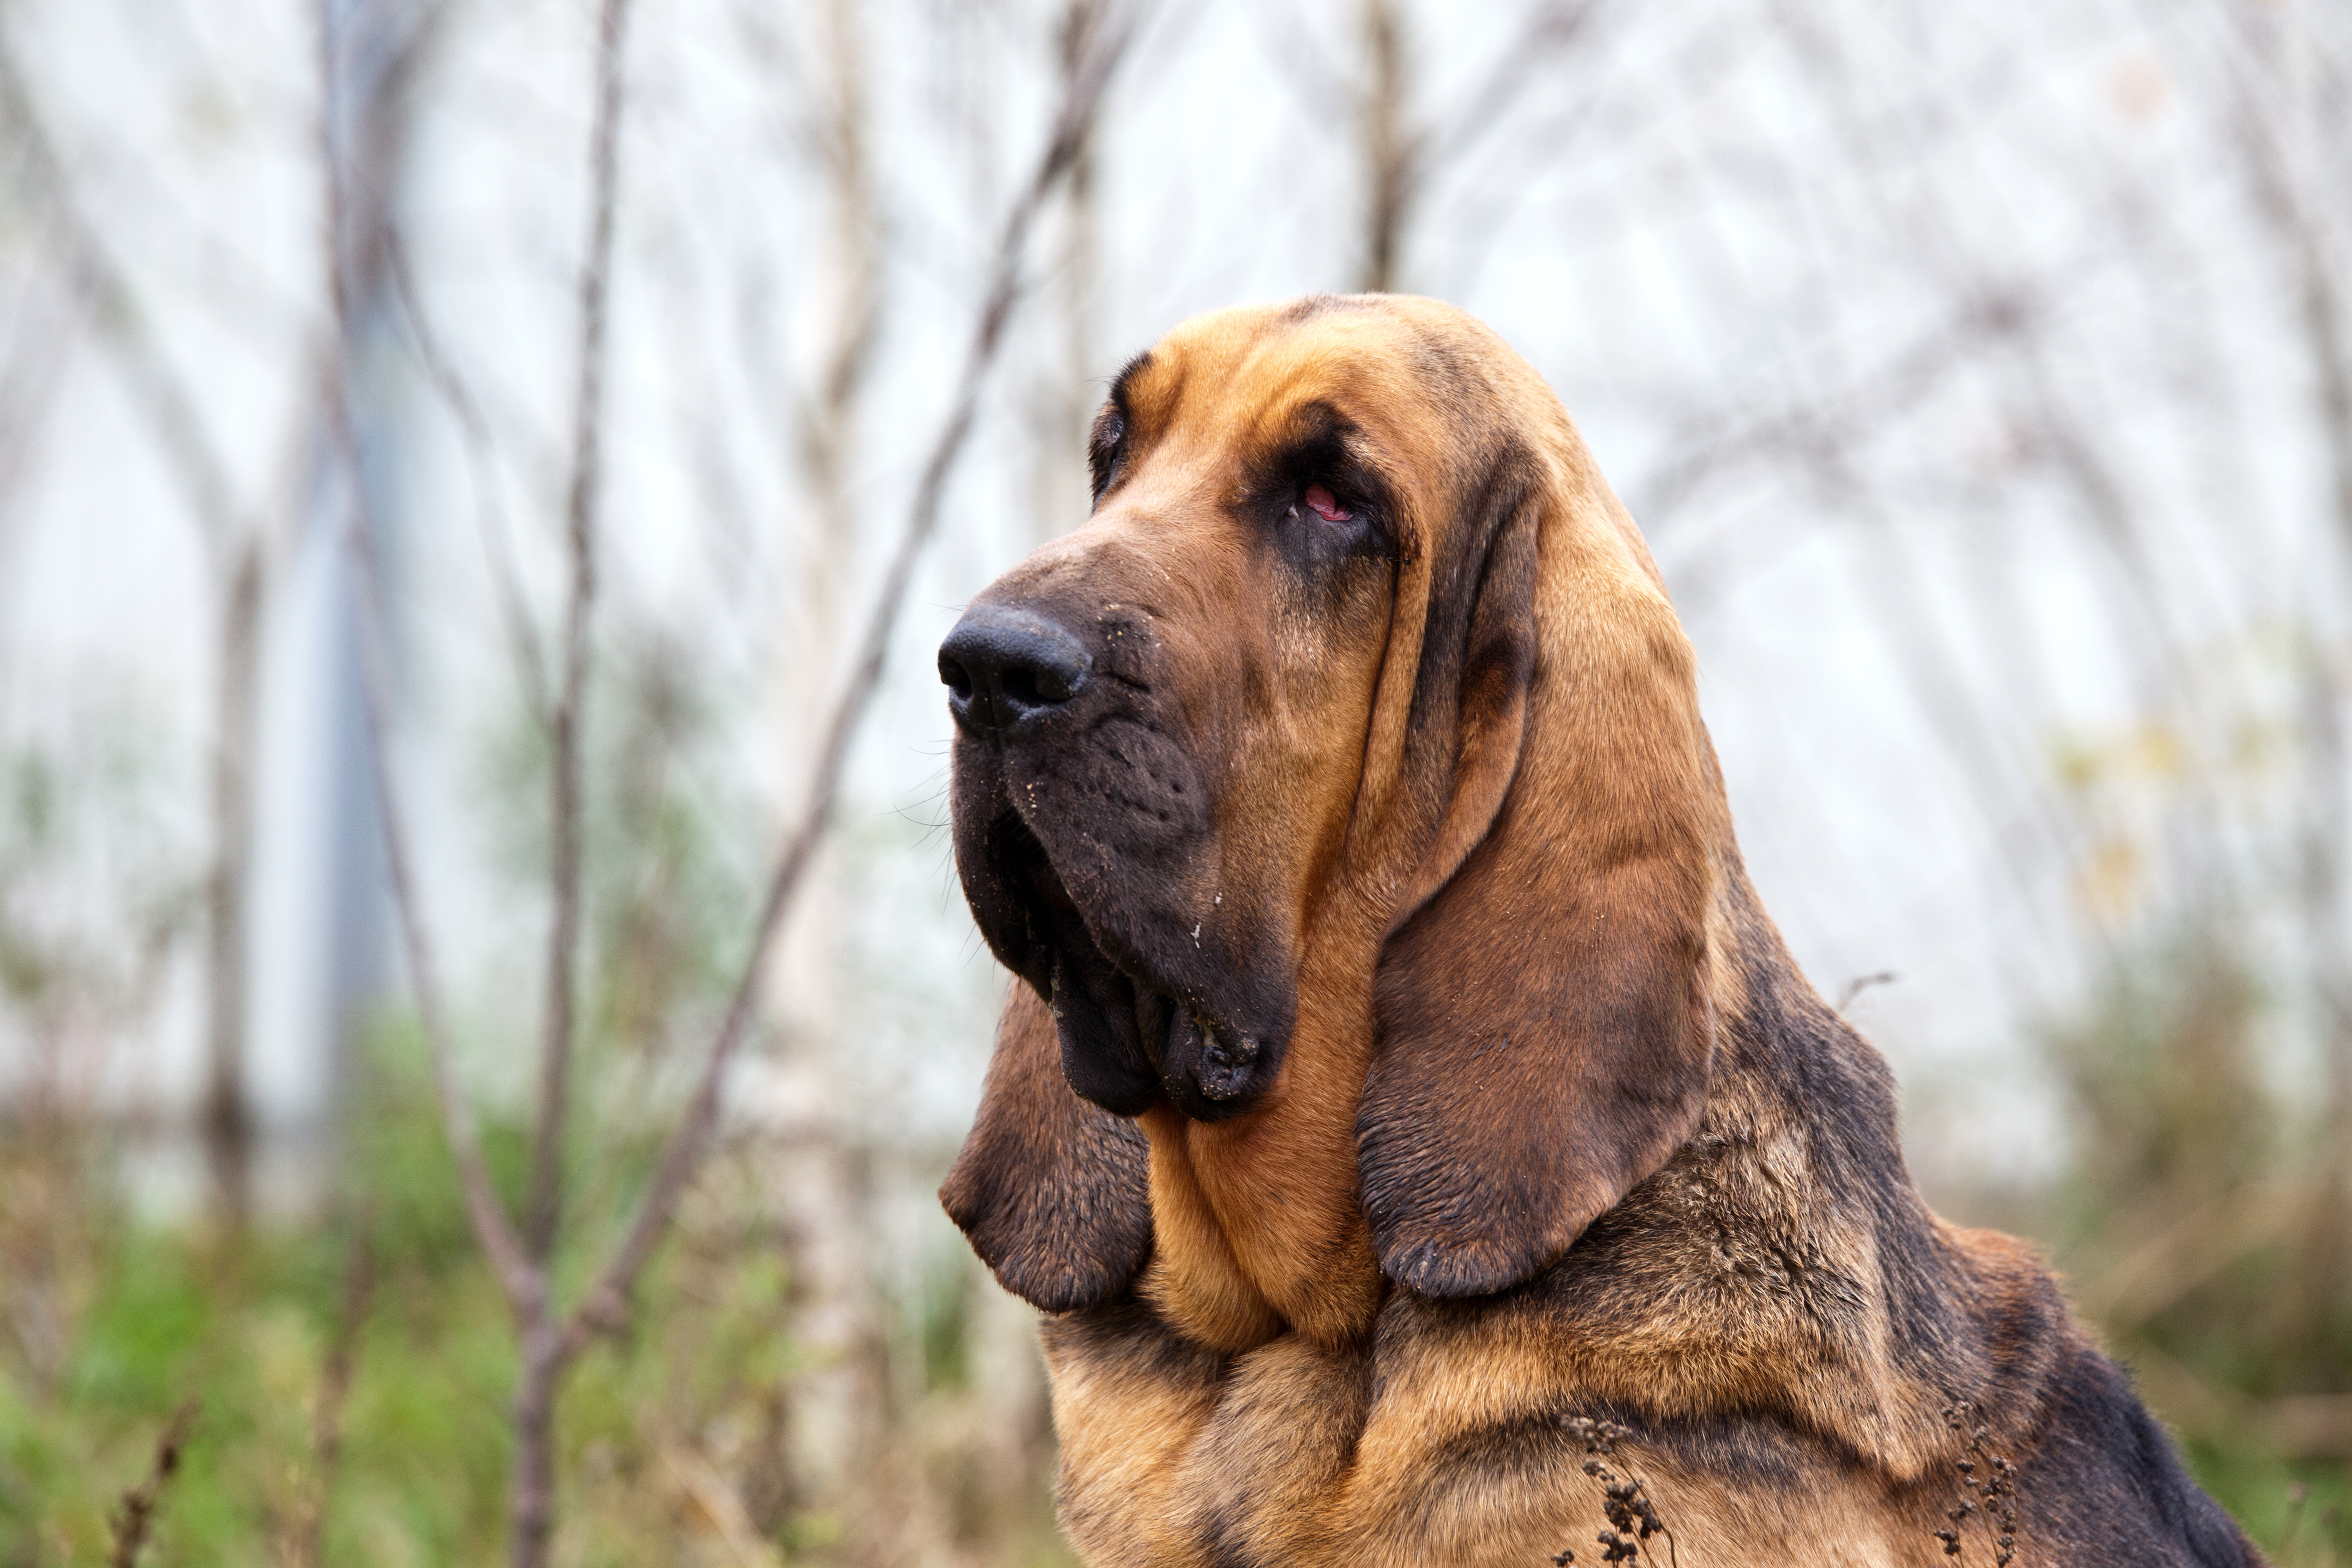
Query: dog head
(1357,670)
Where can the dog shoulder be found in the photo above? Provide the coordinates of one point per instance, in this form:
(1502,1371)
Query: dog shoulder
(2105,1484)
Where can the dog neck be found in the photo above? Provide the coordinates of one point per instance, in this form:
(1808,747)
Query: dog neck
(1861,1317)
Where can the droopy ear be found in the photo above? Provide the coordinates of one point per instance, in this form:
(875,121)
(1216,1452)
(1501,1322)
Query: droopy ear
(1543,1029)
(1051,1191)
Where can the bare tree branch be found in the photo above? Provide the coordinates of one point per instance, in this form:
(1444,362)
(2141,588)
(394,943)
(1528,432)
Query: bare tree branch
(549,1344)
(1401,159)
(531,1504)
(226,1116)
(1390,152)
(544,1212)
(112,301)
(522,1282)
(1550,25)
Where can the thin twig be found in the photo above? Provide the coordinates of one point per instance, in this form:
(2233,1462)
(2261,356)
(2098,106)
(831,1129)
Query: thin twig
(604,1305)
(1550,25)
(530,1503)
(543,1215)
(1625,1500)
(489,523)
(1862,982)
(521,1280)
(134,1517)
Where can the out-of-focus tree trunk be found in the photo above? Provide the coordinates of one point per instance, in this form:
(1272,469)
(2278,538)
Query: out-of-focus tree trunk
(1408,154)
(1074,385)
(835,1417)
(1387,147)
(374,53)
(241,567)
(239,547)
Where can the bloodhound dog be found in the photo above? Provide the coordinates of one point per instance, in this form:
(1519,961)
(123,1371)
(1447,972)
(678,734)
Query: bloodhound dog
(1422,1145)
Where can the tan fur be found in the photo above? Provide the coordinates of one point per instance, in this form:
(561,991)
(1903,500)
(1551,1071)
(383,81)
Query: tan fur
(1256,1219)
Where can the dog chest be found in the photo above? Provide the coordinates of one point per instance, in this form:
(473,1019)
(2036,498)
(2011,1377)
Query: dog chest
(1413,1453)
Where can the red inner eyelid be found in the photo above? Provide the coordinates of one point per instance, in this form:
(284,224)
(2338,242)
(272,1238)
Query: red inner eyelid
(1324,504)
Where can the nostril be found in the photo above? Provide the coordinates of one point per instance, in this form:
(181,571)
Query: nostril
(1021,687)
(958,679)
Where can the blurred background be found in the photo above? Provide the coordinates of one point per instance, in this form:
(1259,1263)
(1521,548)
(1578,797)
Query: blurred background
(1981,376)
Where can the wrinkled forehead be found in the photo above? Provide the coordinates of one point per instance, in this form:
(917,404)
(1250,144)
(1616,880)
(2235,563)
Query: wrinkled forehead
(1416,382)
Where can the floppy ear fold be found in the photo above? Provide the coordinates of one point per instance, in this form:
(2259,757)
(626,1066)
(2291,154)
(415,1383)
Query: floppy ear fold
(1543,1029)
(1051,1191)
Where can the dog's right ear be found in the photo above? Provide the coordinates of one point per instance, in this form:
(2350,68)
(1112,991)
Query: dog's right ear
(1053,1192)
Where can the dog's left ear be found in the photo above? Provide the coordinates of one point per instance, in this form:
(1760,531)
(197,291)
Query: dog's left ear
(1051,1189)
(1544,1032)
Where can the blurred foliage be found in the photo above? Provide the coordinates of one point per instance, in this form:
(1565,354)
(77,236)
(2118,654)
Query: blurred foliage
(2201,1224)
(95,893)
(673,1437)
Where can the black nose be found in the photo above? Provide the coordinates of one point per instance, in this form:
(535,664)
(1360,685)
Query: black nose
(1002,665)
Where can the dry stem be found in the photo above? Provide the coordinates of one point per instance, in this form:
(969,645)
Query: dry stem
(135,1516)
(334,1390)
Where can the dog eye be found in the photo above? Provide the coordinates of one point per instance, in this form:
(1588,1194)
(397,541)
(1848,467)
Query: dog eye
(1103,448)
(1319,500)
(1110,431)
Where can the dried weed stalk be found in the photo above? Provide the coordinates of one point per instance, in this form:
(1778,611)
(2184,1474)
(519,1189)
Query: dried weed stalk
(307,1549)
(1995,1488)
(135,1516)
(1632,1515)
